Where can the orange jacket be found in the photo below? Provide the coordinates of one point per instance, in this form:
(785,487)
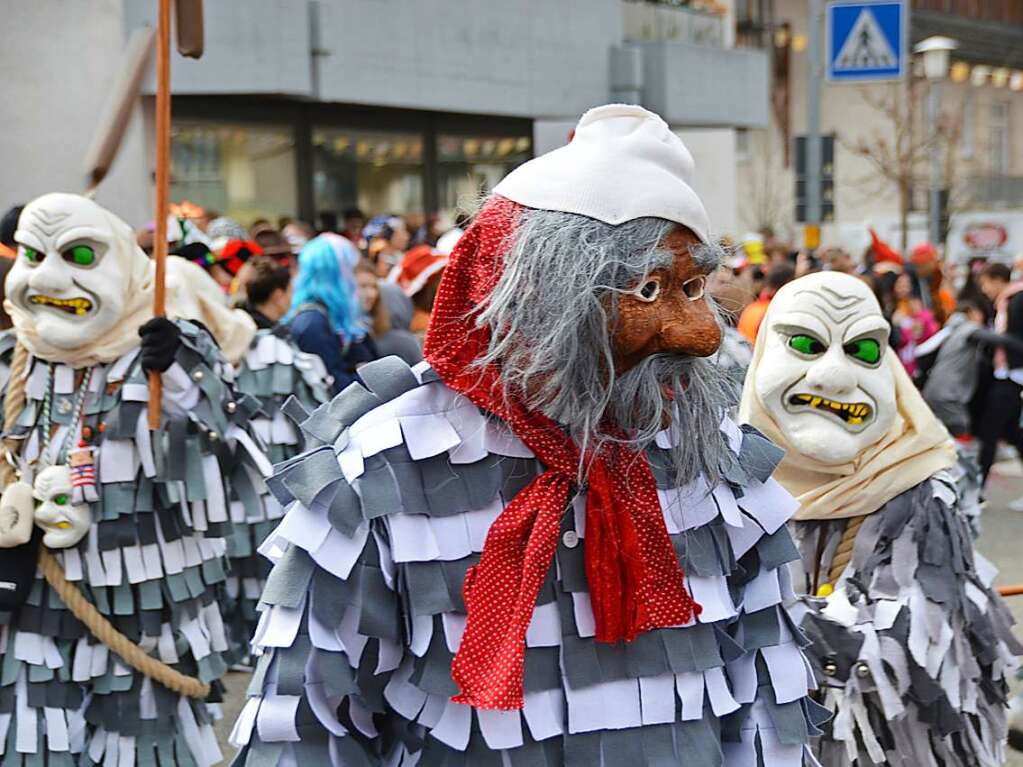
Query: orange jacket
(751,317)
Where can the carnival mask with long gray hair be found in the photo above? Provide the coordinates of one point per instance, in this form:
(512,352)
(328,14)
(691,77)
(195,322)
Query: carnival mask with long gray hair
(605,329)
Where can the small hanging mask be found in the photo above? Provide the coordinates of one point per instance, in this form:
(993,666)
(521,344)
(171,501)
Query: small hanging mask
(63,522)
(16,506)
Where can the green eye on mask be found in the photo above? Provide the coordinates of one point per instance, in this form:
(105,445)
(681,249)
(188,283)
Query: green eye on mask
(32,255)
(807,345)
(865,350)
(60,500)
(80,255)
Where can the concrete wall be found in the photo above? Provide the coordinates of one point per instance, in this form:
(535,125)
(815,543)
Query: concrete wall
(713,152)
(252,47)
(705,85)
(532,58)
(57,62)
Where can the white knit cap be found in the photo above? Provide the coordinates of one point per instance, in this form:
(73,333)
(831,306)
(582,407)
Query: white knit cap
(623,163)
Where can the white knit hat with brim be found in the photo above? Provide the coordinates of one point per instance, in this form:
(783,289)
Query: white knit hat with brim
(623,163)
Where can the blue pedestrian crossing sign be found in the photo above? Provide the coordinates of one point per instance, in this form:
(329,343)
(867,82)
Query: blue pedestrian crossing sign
(866,41)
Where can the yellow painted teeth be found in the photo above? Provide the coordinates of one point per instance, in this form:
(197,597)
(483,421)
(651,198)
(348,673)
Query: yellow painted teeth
(853,413)
(77,306)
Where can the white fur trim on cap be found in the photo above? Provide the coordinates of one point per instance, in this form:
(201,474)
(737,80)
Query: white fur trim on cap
(623,163)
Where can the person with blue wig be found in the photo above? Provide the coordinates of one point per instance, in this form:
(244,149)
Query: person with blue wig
(324,316)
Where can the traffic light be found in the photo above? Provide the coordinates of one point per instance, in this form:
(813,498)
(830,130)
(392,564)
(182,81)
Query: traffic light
(827,179)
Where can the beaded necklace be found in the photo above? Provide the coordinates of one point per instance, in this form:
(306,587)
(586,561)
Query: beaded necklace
(78,403)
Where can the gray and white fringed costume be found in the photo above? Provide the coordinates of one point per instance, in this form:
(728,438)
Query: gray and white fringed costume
(912,646)
(364,611)
(271,372)
(914,649)
(152,562)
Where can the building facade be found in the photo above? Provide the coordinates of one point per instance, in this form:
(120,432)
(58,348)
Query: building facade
(307,107)
(981,109)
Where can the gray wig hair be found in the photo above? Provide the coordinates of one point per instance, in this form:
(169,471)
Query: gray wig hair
(551,318)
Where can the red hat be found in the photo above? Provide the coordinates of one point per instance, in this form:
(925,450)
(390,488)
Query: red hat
(883,251)
(417,266)
(924,253)
(237,252)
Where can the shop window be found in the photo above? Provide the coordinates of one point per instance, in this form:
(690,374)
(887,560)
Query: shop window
(469,166)
(377,171)
(234,169)
(999,138)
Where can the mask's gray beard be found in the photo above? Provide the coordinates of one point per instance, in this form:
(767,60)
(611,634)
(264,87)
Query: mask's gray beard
(550,316)
(702,392)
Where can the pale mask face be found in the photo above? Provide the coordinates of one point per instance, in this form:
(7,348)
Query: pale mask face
(824,376)
(63,523)
(66,274)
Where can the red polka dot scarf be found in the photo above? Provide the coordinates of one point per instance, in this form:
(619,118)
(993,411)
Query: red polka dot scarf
(635,580)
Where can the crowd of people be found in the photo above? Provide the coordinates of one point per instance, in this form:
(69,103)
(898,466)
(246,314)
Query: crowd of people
(957,328)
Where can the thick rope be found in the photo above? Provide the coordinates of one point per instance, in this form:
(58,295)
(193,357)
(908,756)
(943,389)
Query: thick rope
(843,554)
(69,594)
(14,403)
(118,643)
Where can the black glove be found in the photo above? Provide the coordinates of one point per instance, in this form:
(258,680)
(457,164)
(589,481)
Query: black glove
(18,572)
(161,340)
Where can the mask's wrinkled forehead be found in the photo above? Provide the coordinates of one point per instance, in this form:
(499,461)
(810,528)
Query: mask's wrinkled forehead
(830,304)
(53,222)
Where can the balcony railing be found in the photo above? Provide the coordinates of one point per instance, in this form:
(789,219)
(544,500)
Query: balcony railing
(697,21)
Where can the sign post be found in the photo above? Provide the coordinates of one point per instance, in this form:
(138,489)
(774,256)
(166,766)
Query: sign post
(866,42)
(813,125)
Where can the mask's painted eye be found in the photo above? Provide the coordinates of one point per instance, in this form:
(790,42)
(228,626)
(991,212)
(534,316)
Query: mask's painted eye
(32,255)
(60,500)
(807,345)
(865,350)
(80,255)
(694,287)
(649,291)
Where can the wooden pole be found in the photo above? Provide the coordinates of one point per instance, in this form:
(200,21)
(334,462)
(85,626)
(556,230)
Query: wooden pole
(1011,591)
(163,113)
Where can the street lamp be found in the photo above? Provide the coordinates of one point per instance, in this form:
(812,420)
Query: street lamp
(935,53)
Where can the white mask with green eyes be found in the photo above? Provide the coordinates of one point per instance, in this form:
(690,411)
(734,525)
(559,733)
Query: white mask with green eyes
(63,523)
(824,374)
(72,272)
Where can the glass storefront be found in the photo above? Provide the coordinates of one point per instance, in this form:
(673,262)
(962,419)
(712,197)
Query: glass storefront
(377,171)
(239,170)
(255,158)
(469,166)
